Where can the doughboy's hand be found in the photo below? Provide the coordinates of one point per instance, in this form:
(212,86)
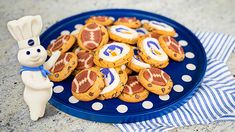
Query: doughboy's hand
(52,60)
(56,53)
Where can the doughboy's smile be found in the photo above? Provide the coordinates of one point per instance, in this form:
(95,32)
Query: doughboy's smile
(35,59)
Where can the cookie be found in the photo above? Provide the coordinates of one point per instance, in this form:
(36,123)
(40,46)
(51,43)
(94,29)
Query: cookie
(152,53)
(136,63)
(113,55)
(153,34)
(92,36)
(141,31)
(130,22)
(114,79)
(172,48)
(87,84)
(102,20)
(63,43)
(85,59)
(156,81)
(133,91)
(159,27)
(63,67)
(123,34)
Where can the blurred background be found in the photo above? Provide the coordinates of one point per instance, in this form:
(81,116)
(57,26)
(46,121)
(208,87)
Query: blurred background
(200,15)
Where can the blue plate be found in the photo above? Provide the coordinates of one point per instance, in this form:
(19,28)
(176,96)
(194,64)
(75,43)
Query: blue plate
(186,75)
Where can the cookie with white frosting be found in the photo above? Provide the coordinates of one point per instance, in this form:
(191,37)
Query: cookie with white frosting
(142,31)
(113,55)
(87,84)
(152,53)
(114,79)
(63,43)
(63,67)
(136,63)
(130,22)
(172,48)
(123,34)
(133,91)
(102,20)
(92,36)
(155,80)
(159,27)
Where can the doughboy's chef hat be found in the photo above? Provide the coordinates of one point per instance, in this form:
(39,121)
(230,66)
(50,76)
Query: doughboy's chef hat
(26,30)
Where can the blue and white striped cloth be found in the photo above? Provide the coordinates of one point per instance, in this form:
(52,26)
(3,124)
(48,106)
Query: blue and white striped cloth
(215,98)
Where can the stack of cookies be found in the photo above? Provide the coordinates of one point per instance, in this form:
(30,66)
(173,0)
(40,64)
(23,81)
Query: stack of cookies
(116,59)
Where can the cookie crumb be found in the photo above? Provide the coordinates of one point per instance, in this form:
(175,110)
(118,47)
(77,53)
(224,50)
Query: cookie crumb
(56,75)
(137,96)
(91,94)
(163,90)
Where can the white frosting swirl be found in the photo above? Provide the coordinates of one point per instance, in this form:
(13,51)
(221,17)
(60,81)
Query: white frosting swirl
(110,83)
(119,53)
(141,31)
(161,26)
(151,49)
(124,31)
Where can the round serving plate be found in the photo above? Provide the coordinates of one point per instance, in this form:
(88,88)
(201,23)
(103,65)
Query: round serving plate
(186,75)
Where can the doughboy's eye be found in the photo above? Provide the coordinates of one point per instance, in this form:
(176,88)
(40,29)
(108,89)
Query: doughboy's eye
(38,50)
(27,52)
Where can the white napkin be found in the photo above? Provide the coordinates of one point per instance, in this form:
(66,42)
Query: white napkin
(215,98)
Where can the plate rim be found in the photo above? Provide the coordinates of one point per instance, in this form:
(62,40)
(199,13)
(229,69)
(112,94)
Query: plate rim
(89,115)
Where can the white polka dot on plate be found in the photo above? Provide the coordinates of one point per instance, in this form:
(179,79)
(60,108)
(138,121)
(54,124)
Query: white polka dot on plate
(178,88)
(190,55)
(144,21)
(164,97)
(52,41)
(73,100)
(191,67)
(186,78)
(97,106)
(147,104)
(122,108)
(78,26)
(176,35)
(75,32)
(65,32)
(183,43)
(58,89)
(112,18)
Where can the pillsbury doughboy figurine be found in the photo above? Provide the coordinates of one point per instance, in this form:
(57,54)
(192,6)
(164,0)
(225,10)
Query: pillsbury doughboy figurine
(32,57)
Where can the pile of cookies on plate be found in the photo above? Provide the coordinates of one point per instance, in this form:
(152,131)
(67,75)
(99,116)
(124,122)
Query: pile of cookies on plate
(116,59)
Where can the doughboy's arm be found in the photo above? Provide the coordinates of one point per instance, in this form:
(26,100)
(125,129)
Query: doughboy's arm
(29,82)
(52,60)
